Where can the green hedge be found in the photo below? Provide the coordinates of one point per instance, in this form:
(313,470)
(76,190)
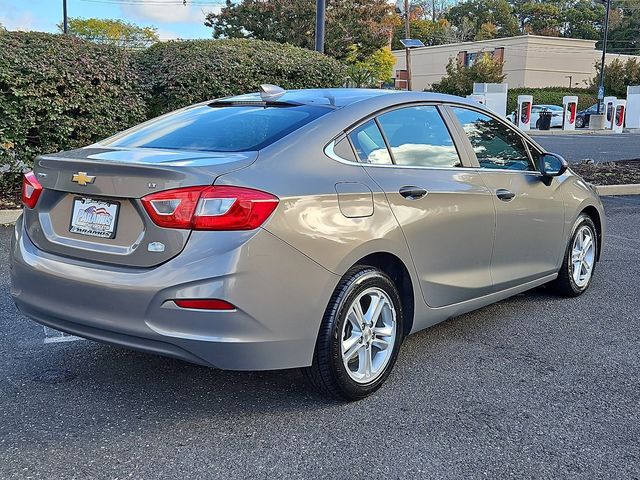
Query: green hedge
(551,96)
(58,92)
(180,73)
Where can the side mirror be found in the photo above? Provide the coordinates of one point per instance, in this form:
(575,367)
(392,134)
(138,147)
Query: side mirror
(552,165)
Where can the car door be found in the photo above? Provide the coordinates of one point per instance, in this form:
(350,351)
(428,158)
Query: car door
(444,208)
(529,208)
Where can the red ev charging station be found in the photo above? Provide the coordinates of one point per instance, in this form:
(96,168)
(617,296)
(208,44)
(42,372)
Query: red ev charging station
(570,103)
(523,113)
(609,106)
(618,118)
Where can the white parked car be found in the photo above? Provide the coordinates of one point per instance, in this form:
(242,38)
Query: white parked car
(556,118)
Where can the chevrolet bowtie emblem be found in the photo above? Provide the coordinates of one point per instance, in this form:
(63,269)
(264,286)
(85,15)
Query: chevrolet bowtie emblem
(81,178)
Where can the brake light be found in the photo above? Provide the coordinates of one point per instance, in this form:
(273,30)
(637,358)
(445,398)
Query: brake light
(205,304)
(210,208)
(31,190)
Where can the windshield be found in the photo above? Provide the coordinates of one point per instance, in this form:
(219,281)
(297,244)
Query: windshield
(219,128)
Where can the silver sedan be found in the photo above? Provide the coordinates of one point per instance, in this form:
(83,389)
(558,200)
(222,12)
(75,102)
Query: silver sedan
(310,228)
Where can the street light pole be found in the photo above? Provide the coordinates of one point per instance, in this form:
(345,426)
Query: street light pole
(407,34)
(65,23)
(321,6)
(607,6)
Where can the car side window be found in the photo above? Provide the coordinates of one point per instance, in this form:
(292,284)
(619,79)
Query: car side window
(496,145)
(343,150)
(369,144)
(418,136)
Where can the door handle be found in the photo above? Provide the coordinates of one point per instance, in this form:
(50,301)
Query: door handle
(412,193)
(505,195)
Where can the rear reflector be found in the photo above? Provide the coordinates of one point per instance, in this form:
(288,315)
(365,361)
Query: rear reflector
(205,304)
(210,208)
(31,190)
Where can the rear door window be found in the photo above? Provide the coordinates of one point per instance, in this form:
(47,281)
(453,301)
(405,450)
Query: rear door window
(418,136)
(219,128)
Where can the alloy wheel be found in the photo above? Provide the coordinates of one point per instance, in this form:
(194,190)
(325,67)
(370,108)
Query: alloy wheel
(368,335)
(582,256)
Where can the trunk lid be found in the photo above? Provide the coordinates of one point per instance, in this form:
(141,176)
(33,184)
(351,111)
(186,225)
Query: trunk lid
(110,182)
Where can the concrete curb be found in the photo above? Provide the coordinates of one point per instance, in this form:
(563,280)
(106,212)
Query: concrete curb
(7,217)
(611,190)
(582,131)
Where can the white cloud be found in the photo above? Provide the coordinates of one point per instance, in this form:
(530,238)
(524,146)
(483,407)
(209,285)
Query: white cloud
(13,20)
(170,13)
(167,34)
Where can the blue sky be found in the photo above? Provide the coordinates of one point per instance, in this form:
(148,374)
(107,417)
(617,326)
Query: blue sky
(170,17)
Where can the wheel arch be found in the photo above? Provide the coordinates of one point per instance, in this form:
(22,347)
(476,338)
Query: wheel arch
(399,274)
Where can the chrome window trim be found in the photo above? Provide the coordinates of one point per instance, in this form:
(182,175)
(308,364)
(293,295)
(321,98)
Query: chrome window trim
(329,152)
(529,142)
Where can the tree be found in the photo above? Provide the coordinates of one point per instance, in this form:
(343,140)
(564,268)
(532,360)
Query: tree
(487,31)
(113,32)
(428,31)
(370,72)
(365,23)
(460,78)
(583,19)
(477,12)
(617,76)
(539,18)
(624,31)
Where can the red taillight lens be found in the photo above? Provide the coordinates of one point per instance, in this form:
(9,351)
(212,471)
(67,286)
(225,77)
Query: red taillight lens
(31,190)
(205,304)
(210,208)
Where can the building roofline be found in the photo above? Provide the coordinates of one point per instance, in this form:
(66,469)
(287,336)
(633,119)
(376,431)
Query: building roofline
(494,40)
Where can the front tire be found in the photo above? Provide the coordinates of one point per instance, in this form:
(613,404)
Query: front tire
(576,273)
(579,122)
(360,336)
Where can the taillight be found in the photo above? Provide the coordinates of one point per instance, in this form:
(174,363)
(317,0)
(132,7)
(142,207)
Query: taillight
(31,190)
(210,208)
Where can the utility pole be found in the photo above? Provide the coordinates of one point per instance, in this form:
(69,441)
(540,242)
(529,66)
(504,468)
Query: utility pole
(321,6)
(407,34)
(65,23)
(607,6)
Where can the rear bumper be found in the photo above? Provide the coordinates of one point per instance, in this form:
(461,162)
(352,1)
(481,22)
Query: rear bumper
(280,296)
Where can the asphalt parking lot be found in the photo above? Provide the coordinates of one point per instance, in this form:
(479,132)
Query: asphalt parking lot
(531,387)
(599,148)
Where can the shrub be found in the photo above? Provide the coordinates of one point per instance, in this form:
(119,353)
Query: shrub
(181,73)
(59,92)
(460,78)
(617,75)
(551,96)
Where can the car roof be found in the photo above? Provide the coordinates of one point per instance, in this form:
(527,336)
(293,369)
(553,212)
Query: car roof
(331,97)
(343,97)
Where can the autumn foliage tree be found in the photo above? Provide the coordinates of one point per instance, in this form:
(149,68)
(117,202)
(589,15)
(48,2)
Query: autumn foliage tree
(460,78)
(365,23)
(112,32)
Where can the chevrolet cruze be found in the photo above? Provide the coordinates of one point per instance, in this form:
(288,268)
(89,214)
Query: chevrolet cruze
(309,228)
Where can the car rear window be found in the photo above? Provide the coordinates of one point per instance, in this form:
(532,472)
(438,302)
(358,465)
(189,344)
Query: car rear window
(219,128)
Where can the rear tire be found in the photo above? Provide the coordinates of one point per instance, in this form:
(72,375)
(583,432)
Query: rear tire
(359,337)
(579,263)
(579,122)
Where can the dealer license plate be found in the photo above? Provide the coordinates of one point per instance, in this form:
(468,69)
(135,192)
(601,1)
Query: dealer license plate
(95,218)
